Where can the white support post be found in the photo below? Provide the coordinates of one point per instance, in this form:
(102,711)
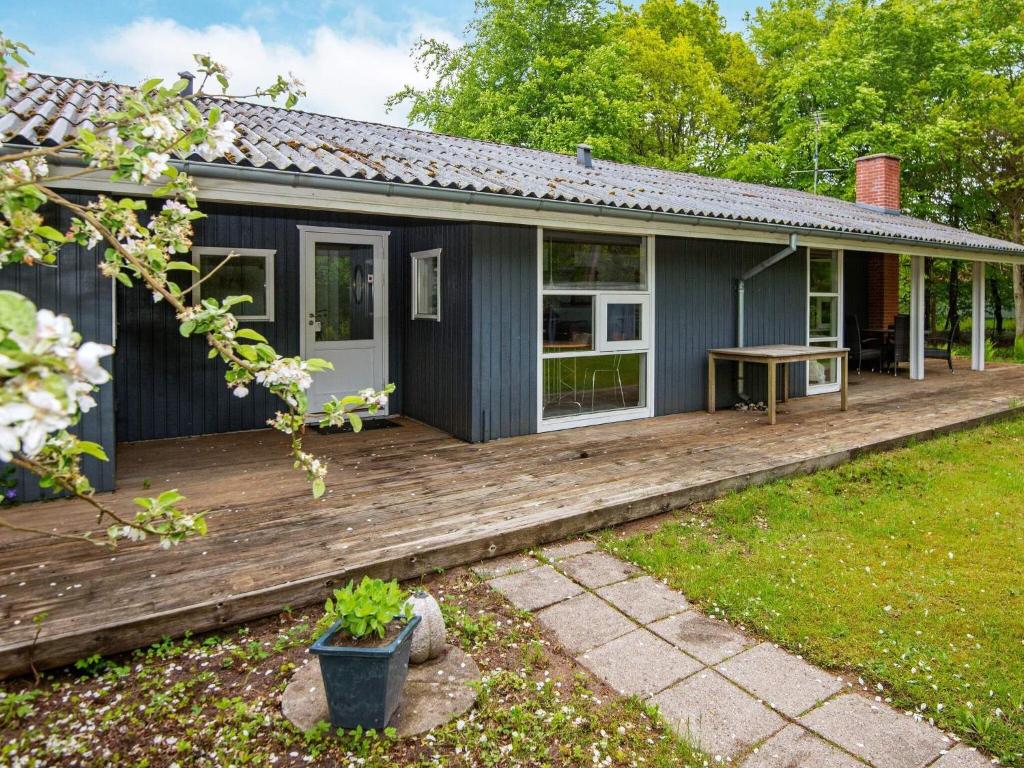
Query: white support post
(978,317)
(917,317)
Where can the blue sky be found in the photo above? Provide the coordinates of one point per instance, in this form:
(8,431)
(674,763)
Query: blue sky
(351,54)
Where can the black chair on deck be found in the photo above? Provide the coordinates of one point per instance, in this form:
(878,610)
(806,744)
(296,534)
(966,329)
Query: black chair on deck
(859,352)
(900,342)
(939,346)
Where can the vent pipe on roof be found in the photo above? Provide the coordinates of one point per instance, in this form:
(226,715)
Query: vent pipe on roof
(191,78)
(583,156)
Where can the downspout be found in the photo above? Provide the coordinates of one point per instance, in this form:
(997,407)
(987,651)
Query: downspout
(740,300)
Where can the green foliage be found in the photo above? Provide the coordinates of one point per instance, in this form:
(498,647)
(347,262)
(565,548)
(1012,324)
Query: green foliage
(366,609)
(903,568)
(17,705)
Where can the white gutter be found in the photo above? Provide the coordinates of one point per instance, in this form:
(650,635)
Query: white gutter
(741,285)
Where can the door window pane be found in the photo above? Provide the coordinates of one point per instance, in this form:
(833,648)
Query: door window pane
(568,323)
(241,275)
(591,384)
(824,371)
(588,261)
(343,275)
(823,272)
(823,319)
(624,322)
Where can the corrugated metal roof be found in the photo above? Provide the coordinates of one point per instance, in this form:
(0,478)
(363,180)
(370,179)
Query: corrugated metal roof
(48,110)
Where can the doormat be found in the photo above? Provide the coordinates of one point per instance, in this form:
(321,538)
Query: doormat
(368,424)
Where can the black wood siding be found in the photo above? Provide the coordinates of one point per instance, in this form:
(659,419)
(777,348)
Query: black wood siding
(437,353)
(167,387)
(78,290)
(504,331)
(695,310)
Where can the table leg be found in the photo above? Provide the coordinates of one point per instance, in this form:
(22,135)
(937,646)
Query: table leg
(846,378)
(771,391)
(711,383)
(785,382)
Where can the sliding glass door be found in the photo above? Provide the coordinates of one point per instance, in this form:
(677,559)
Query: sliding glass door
(824,316)
(595,333)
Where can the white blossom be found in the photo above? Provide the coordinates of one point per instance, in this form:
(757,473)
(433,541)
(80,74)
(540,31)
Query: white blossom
(152,165)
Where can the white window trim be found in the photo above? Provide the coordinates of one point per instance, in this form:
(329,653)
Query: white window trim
(417,258)
(604,344)
(819,389)
(267,254)
(645,347)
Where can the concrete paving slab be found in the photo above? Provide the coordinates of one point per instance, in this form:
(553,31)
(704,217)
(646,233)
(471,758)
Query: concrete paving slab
(710,640)
(503,566)
(876,732)
(785,682)
(535,588)
(723,720)
(597,569)
(644,598)
(639,663)
(584,622)
(962,756)
(796,747)
(566,549)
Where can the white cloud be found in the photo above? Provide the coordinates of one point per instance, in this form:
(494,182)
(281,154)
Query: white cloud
(350,72)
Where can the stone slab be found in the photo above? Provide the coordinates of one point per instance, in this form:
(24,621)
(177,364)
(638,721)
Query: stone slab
(962,756)
(785,682)
(535,588)
(796,747)
(584,622)
(720,718)
(566,549)
(710,640)
(876,732)
(644,599)
(597,569)
(434,693)
(503,566)
(639,663)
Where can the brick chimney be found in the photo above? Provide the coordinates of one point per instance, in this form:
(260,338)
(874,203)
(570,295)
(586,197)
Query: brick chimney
(878,186)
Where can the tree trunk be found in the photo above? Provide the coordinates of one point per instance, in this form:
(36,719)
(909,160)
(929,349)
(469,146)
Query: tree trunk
(953,295)
(997,306)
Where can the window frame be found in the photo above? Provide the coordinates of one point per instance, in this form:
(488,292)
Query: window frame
(417,257)
(267,254)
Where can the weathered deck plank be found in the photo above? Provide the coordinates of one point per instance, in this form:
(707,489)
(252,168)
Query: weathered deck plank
(403,501)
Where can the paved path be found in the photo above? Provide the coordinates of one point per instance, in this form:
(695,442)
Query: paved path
(744,702)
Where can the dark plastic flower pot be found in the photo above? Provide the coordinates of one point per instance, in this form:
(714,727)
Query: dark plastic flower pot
(364,685)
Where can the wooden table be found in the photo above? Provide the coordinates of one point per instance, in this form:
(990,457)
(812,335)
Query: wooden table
(773,355)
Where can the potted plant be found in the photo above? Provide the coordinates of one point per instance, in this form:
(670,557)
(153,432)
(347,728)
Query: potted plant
(364,652)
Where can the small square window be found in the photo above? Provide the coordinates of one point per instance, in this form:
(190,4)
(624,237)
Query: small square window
(249,272)
(426,285)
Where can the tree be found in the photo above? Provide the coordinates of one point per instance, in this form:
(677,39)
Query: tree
(47,372)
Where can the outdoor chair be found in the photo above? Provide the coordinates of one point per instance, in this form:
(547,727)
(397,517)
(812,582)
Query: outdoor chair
(939,346)
(613,373)
(900,342)
(859,352)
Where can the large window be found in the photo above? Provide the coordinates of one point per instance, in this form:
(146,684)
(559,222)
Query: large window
(248,272)
(824,311)
(426,285)
(595,328)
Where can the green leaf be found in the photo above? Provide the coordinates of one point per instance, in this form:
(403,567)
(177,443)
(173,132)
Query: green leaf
(357,423)
(50,233)
(150,84)
(318,488)
(186,328)
(249,333)
(90,448)
(182,265)
(18,313)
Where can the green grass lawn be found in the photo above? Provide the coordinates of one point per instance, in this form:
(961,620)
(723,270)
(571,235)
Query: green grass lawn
(905,568)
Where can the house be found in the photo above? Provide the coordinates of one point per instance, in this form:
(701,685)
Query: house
(504,290)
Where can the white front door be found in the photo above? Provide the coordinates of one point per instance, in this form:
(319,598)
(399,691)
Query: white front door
(344,309)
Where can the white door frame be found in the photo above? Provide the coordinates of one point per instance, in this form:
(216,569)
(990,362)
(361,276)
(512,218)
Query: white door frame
(308,237)
(606,417)
(818,389)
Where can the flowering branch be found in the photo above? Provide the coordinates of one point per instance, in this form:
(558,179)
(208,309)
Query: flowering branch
(48,374)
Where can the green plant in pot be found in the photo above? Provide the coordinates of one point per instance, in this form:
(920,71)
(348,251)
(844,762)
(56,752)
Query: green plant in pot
(364,652)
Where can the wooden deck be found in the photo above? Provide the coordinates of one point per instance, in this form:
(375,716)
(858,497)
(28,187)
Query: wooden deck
(406,500)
